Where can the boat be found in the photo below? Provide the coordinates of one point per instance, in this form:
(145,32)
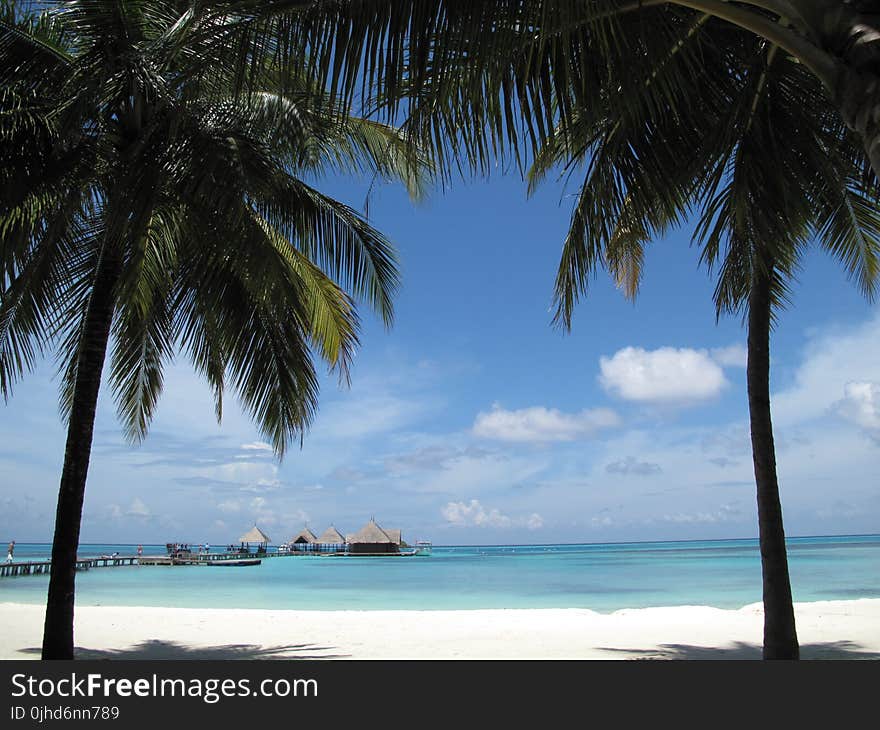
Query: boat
(423,547)
(234,563)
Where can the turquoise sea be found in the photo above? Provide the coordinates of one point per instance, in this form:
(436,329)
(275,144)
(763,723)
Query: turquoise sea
(602,577)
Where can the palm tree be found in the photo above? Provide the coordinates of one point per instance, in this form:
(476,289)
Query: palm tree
(767,168)
(498,58)
(763,116)
(154,159)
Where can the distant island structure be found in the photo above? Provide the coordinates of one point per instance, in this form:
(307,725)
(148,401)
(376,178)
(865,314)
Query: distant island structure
(304,537)
(257,536)
(331,536)
(371,539)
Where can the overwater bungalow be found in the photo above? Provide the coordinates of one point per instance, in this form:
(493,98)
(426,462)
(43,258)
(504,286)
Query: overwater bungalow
(255,536)
(331,540)
(373,540)
(304,537)
(303,541)
(331,536)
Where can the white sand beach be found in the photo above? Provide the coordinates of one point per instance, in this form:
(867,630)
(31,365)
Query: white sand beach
(826,629)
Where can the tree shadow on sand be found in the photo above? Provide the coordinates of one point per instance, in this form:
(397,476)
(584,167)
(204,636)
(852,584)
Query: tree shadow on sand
(743,650)
(157,649)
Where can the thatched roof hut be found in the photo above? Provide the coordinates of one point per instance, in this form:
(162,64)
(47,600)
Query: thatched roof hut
(304,536)
(255,534)
(331,536)
(373,539)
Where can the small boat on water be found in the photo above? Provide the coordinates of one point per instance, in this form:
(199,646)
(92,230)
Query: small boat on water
(423,547)
(234,563)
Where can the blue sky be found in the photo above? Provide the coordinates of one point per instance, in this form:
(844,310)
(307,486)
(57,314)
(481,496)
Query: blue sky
(475,421)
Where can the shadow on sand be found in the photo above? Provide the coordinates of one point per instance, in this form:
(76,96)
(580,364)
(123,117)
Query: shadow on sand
(743,650)
(156,649)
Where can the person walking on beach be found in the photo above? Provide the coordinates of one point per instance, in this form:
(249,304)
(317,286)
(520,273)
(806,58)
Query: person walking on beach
(10,550)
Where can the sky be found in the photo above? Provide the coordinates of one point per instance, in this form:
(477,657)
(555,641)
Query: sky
(474,421)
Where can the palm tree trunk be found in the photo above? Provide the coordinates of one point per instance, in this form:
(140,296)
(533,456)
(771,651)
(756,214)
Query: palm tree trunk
(780,636)
(58,627)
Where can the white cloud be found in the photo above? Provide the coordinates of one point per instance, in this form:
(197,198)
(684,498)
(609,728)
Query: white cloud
(860,405)
(257,446)
(725,513)
(243,473)
(539,424)
(732,356)
(667,375)
(357,417)
(229,506)
(262,485)
(631,465)
(535,521)
(832,361)
(474,514)
(138,508)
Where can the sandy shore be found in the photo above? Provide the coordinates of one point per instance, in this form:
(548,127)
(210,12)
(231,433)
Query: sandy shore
(827,630)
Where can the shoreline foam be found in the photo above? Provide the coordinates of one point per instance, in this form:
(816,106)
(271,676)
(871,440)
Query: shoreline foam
(826,629)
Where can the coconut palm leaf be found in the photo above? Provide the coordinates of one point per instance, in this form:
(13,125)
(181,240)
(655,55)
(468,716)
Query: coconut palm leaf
(158,161)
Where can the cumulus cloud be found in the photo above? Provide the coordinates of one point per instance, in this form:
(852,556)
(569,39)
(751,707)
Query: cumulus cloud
(474,514)
(732,356)
(631,465)
(534,521)
(834,359)
(539,424)
(137,508)
(860,405)
(665,376)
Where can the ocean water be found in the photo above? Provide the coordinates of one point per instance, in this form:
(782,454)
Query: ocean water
(602,577)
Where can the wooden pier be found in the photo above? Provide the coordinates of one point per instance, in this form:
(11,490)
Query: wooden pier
(35,567)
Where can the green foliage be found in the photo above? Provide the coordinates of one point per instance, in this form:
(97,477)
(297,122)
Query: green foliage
(721,110)
(176,139)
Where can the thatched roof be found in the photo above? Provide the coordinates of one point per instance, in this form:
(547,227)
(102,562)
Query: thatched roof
(304,535)
(331,536)
(255,534)
(371,532)
(393,534)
